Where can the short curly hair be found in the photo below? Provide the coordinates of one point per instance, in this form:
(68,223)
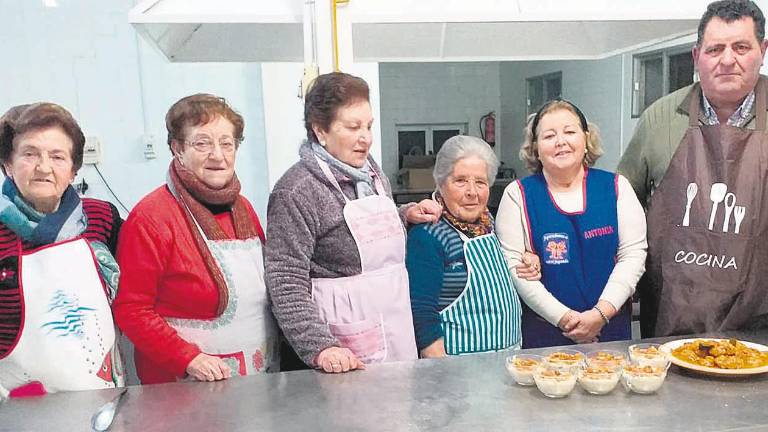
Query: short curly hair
(199,109)
(326,95)
(23,119)
(529,151)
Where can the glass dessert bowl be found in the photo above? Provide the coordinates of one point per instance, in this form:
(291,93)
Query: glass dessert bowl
(648,354)
(564,358)
(599,379)
(521,367)
(644,378)
(554,380)
(606,358)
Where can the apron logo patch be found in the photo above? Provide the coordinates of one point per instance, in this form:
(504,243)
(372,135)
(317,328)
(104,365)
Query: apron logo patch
(556,248)
(599,232)
(706,260)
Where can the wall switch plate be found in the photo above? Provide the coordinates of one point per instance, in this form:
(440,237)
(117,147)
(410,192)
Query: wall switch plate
(92,150)
(148,142)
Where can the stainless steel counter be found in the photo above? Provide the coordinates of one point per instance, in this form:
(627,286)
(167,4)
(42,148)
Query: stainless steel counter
(467,393)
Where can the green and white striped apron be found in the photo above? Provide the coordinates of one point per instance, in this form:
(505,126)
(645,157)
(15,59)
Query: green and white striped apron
(486,315)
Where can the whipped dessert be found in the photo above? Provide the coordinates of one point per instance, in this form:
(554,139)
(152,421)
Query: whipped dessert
(565,358)
(648,354)
(643,379)
(599,380)
(554,383)
(522,366)
(607,358)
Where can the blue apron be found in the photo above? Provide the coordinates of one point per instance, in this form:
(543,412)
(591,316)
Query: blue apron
(577,252)
(486,315)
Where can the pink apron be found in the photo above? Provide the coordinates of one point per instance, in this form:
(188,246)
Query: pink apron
(370,313)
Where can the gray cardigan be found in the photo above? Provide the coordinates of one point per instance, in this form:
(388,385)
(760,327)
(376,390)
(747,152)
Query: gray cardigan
(307,237)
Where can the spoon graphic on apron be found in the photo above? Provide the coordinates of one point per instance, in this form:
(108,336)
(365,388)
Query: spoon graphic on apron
(730,202)
(693,189)
(716,194)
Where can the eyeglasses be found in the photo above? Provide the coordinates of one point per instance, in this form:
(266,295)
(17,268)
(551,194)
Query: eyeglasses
(204,145)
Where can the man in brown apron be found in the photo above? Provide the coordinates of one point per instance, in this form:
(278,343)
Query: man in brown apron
(708,213)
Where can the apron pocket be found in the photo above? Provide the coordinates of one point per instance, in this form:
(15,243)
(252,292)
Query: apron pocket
(364,338)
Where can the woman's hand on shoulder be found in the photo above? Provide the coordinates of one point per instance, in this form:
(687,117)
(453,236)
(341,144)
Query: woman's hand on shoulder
(424,211)
(206,367)
(338,360)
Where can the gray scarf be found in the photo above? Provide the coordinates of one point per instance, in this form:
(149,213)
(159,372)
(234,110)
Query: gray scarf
(361,176)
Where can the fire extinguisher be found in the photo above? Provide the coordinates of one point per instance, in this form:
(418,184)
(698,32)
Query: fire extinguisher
(488,128)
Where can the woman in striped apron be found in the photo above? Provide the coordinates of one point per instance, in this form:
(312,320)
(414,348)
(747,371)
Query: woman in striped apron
(462,296)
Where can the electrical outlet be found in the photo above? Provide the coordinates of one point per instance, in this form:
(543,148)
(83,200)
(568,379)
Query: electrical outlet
(148,142)
(92,150)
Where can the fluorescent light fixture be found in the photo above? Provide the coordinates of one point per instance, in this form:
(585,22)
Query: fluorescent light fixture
(51,3)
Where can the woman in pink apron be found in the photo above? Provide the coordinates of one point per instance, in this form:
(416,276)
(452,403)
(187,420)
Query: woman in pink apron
(57,272)
(335,261)
(192,297)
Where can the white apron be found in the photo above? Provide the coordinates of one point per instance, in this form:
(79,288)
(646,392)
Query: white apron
(370,313)
(67,336)
(245,334)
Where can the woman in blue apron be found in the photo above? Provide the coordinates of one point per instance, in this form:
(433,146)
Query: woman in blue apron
(587,227)
(462,295)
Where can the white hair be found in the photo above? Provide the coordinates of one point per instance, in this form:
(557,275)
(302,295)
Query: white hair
(460,147)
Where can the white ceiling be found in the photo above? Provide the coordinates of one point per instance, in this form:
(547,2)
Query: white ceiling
(417,30)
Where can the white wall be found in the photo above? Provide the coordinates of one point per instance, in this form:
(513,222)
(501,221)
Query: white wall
(284,112)
(435,93)
(595,86)
(85,56)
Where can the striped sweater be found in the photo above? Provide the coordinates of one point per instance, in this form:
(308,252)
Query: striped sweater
(103,225)
(437,272)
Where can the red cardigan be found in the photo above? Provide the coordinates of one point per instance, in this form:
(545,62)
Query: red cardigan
(162,274)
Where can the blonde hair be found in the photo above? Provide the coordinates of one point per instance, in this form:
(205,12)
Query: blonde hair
(529,150)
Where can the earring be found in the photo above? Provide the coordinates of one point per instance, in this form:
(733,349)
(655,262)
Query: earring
(322,143)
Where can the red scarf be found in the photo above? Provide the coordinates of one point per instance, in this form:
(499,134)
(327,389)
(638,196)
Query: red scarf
(193,195)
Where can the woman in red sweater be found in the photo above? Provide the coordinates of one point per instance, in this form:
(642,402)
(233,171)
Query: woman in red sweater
(192,297)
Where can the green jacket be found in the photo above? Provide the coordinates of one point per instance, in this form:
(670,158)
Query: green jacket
(657,135)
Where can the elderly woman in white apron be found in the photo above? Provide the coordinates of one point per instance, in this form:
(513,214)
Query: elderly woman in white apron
(193,299)
(462,295)
(57,272)
(336,243)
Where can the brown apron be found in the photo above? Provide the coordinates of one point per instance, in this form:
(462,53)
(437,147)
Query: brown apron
(707,264)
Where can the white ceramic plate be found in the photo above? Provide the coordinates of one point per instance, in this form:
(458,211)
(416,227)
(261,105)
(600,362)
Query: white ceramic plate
(669,346)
